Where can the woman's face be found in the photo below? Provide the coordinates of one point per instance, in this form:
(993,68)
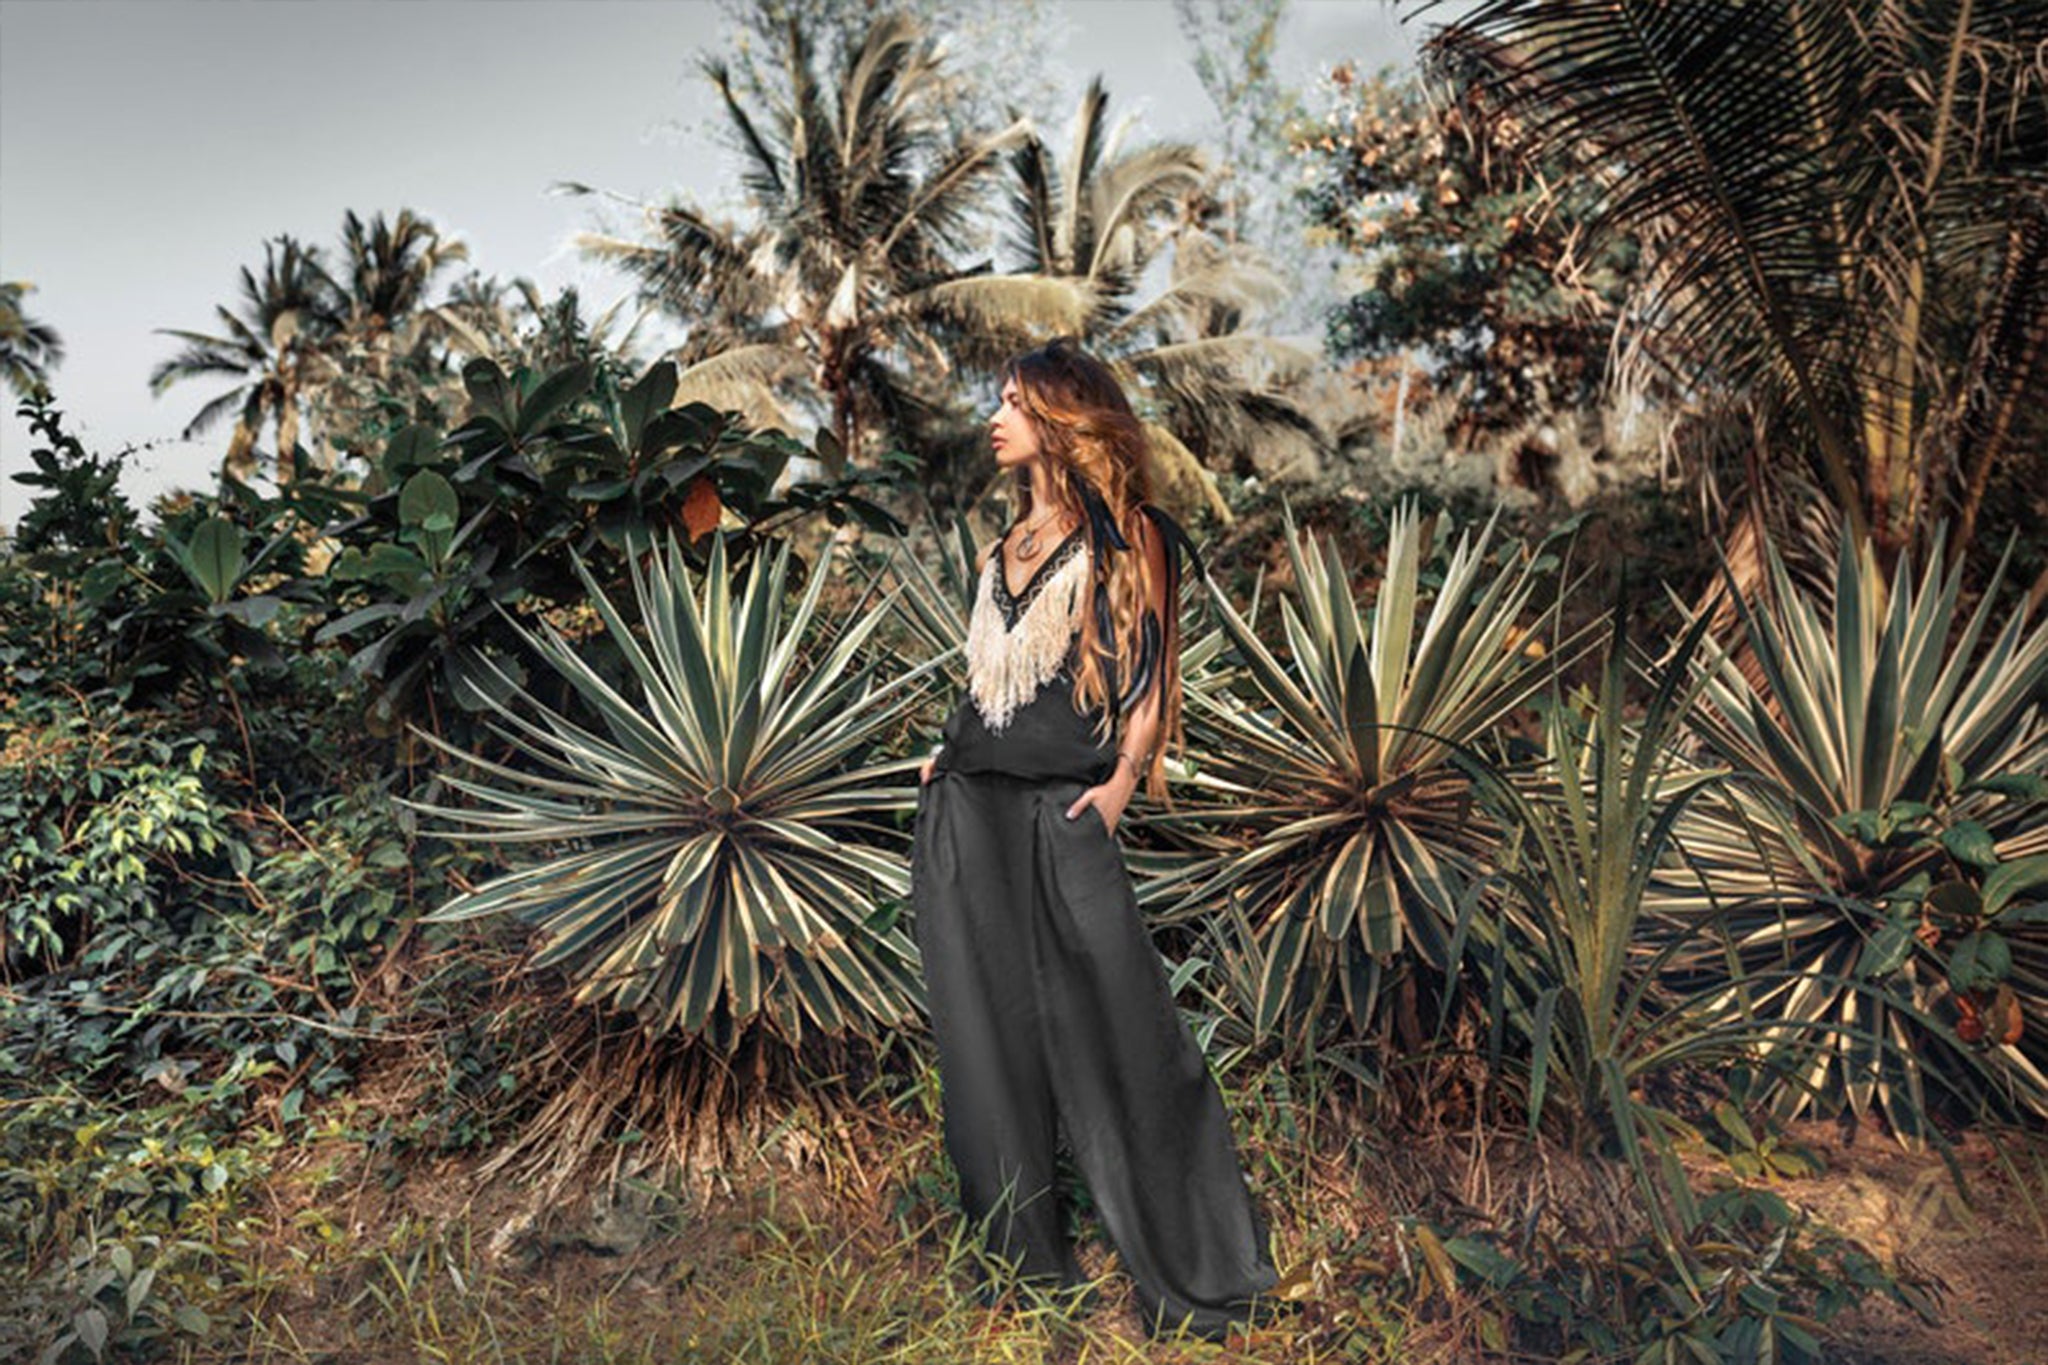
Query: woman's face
(1011,431)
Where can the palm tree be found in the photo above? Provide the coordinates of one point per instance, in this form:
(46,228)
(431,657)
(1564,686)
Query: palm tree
(514,324)
(388,354)
(1096,220)
(1846,211)
(326,345)
(29,349)
(847,277)
(390,266)
(273,345)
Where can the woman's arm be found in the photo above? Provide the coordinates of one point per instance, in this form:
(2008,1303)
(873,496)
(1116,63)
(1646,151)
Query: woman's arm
(1142,727)
(1141,722)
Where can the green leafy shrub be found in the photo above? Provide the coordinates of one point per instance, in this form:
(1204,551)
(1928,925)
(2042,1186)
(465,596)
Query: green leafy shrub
(97,817)
(178,966)
(94,601)
(120,1221)
(548,475)
(1770,1283)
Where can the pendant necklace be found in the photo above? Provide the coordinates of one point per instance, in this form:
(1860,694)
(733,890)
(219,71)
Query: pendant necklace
(1028,547)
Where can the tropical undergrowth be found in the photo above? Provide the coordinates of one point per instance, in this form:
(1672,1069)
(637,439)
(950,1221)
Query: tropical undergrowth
(223,915)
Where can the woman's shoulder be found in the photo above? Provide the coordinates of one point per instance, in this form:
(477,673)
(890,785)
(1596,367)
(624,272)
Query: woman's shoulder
(989,548)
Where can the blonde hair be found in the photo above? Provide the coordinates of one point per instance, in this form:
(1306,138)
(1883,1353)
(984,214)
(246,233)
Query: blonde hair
(1094,449)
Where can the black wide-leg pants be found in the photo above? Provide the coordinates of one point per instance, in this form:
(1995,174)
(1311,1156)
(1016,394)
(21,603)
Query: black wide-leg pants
(1050,1005)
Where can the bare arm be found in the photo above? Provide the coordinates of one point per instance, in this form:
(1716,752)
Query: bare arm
(1141,728)
(1141,722)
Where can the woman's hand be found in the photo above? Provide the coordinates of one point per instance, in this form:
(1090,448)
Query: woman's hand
(1110,798)
(924,770)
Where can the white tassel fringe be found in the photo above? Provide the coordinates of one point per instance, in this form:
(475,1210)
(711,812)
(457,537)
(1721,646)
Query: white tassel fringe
(1006,667)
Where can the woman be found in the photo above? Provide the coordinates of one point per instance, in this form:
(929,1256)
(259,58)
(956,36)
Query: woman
(1049,1004)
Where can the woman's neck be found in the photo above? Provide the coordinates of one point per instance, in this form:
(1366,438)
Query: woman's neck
(1045,513)
(1041,486)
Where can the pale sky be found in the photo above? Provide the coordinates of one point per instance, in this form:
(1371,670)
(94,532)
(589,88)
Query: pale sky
(149,147)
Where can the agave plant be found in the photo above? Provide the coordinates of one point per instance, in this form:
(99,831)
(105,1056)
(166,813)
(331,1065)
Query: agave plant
(716,856)
(1333,814)
(1905,817)
(1585,836)
(935,595)
(1570,953)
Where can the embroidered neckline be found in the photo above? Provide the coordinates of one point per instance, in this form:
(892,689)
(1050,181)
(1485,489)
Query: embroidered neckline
(1015,604)
(1010,657)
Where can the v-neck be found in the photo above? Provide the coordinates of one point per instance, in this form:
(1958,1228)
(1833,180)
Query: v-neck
(1031,583)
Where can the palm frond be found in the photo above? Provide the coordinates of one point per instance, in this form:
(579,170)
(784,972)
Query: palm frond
(744,379)
(939,210)
(1006,305)
(1734,124)
(1239,281)
(1030,223)
(693,269)
(214,410)
(761,171)
(1128,193)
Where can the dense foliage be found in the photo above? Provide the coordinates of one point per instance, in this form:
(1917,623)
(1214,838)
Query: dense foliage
(536,696)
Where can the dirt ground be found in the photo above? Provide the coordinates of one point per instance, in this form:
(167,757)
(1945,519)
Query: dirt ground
(1985,1248)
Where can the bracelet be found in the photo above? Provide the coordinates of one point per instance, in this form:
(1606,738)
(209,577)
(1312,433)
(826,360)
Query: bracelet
(1133,762)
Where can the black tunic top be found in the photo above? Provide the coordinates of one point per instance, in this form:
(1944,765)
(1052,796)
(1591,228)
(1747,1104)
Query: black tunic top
(1046,738)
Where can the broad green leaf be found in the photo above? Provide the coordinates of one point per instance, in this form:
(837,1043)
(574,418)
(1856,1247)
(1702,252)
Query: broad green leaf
(490,392)
(1887,950)
(2010,879)
(648,398)
(428,500)
(1969,842)
(551,396)
(1981,960)
(214,558)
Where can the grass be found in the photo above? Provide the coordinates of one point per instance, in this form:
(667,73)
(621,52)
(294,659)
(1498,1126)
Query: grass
(836,1237)
(839,1240)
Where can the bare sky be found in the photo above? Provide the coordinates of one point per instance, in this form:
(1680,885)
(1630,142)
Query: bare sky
(148,147)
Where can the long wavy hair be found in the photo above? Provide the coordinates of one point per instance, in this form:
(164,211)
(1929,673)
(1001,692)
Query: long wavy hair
(1087,431)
